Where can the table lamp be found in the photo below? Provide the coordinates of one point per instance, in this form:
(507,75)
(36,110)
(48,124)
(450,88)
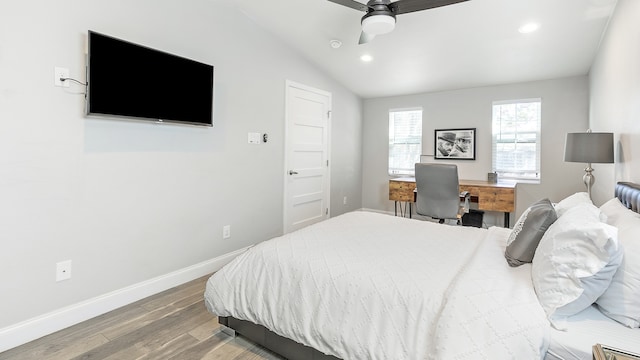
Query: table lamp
(589,147)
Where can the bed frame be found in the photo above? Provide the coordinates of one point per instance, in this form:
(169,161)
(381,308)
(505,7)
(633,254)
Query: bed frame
(628,193)
(281,345)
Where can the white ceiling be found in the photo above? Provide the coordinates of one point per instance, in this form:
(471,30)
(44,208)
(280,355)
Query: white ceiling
(470,44)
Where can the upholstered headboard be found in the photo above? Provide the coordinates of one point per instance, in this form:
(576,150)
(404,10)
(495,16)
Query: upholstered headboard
(629,195)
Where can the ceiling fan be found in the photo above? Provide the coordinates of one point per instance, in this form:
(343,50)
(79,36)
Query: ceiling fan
(380,17)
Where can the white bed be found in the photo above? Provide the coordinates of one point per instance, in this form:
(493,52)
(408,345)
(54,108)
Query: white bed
(371,286)
(587,328)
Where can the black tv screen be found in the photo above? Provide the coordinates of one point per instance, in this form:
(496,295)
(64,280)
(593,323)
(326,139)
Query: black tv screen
(129,80)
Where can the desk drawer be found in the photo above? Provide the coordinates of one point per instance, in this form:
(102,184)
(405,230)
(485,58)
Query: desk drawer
(497,200)
(401,190)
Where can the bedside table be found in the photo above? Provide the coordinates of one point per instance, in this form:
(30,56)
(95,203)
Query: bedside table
(604,352)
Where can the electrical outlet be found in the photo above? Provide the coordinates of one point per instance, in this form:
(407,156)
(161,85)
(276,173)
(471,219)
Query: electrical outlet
(63,270)
(60,73)
(226,231)
(344,201)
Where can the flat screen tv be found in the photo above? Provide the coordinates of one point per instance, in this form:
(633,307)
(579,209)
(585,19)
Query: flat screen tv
(133,81)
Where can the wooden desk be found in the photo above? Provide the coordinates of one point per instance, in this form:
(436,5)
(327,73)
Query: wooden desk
(499,196)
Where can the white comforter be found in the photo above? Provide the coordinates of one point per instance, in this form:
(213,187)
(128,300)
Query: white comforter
(371,286)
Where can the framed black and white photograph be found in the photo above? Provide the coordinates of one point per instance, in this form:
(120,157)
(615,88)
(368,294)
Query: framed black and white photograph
(455,144)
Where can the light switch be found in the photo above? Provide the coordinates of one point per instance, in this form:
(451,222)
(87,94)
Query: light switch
(255,138)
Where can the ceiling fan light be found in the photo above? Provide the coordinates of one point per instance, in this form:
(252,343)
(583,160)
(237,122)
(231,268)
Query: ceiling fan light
(378,24)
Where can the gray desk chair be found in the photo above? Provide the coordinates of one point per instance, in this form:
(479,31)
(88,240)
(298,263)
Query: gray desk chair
(438,192)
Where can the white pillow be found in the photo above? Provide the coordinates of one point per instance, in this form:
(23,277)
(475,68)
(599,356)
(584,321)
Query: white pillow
(574,262)
(616,212)
(571,201)
(621,301)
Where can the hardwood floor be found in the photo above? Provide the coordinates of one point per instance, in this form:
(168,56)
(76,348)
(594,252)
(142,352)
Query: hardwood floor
(171,325)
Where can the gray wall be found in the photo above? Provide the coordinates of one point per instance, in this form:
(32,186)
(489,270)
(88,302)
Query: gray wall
(614,83)
(128,201)
(564,109)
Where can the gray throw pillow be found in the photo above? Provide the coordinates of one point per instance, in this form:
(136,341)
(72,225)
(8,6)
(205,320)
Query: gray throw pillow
(527,232)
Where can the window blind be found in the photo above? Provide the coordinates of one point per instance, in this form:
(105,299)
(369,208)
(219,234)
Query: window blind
(405,140)
(516,138)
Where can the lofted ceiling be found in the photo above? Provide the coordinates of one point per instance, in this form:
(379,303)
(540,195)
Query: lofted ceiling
(469,44)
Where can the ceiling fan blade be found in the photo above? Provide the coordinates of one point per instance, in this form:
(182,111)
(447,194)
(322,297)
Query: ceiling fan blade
(351,4)
(365,38)
(407,6)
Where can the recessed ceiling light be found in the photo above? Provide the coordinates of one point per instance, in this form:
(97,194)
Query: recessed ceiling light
(528,28)
(366,58)
(335,43)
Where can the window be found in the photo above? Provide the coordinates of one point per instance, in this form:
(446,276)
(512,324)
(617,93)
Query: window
(405,140)
(516,139)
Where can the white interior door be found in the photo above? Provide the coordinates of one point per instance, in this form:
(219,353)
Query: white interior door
(307,117)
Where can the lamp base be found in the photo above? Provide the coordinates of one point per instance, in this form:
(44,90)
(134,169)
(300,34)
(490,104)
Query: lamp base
(588,179)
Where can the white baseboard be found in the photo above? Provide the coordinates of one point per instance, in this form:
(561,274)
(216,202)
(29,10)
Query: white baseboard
(35,328)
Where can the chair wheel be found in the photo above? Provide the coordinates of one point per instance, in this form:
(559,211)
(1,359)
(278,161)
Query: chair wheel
(441,221)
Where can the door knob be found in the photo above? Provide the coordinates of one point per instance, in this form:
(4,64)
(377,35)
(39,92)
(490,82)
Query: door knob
(291,172)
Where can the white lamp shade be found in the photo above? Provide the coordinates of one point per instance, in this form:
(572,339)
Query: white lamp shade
(589,147)
(378,24)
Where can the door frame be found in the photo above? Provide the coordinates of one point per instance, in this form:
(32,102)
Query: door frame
(288,85)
